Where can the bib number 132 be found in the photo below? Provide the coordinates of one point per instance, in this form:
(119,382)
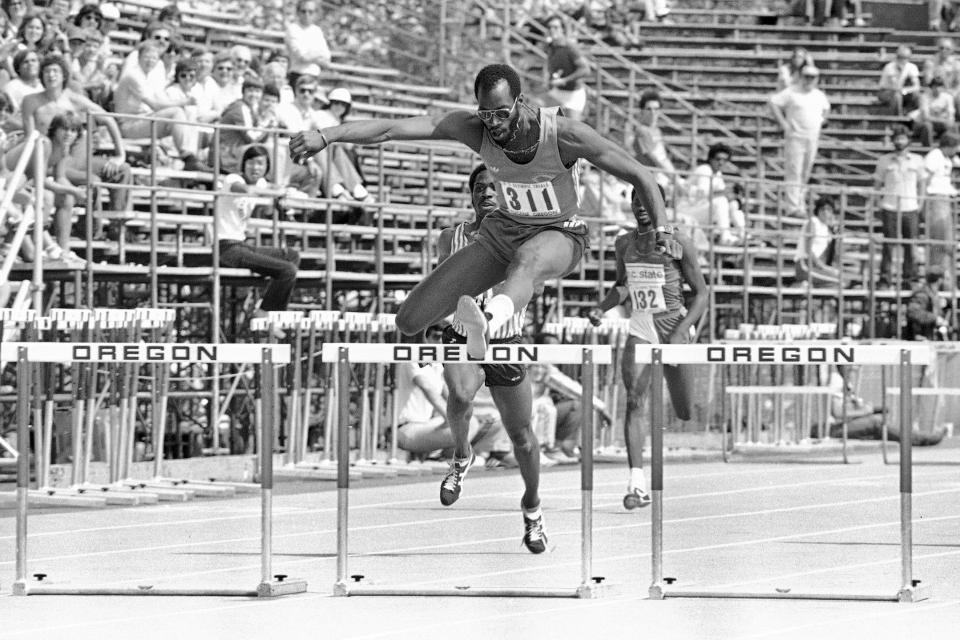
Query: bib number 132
(530,199)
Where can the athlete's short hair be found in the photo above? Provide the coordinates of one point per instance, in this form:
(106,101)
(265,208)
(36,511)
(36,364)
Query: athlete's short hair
(472,180)
(649,96)
(492,74)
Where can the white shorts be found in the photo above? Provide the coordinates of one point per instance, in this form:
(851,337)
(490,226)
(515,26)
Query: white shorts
(575,100)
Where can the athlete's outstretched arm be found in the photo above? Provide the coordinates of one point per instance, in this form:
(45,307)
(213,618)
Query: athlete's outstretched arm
(579,140)
(617,293)
(690,268)
(462,126)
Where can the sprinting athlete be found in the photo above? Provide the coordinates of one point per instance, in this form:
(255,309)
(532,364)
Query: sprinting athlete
(535,234)
(509,386)
(651,271)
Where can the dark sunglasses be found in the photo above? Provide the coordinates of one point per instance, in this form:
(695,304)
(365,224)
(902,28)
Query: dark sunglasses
(307,91)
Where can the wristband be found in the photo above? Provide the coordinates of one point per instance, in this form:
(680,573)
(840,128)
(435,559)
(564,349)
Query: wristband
(326,143)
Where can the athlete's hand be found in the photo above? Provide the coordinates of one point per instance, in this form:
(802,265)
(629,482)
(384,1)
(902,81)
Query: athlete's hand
(679,337)
(307,144)
(595,316)
(668,245)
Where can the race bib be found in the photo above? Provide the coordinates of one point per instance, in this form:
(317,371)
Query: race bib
(530,199)
(645,283)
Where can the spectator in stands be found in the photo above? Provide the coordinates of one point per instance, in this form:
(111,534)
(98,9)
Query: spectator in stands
(27,65)
(274,74)
(801,111)
(227,90)
(854,8)
(111,16)
(244,112)
(171,16)
(346,175)
(944,65)
(160,35)
(136,96)
(58,14)
(926,309)
(232,217)
(611,20)
(707,200)
(789,72)
(828,12)
(655,10)
(242,63)
(16,11)
(567,67)
(900,180)
(282,58)
(203,59)
(87,68)
(937,113)
(89,17)
(864,420)
(648,145)
(299,116)
(943,15)
(57,99)
(815,259)
(63,134)
(940,192)
(900,83)
(186,86)
(33,33)
(306,44)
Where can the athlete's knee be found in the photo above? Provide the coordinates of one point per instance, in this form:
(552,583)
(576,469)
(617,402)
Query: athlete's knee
(634,402)
(524,439)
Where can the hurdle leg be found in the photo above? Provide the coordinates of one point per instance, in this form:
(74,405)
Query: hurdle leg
(23,470)
(656,591)
(590,585)
(343,470)
(270,585)
(910,590)
(79,381)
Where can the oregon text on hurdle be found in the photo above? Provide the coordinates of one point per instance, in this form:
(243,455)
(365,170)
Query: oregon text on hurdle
(145,352)
(458,352)
(831,355)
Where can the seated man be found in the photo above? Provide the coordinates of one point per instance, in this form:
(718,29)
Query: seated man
(707,201)
(134,95)
(243,112)
(864,421)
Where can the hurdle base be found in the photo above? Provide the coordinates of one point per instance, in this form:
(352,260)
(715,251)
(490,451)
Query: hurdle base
(286,587)
(584,591)
(200,489)
(912,594)
(145,590)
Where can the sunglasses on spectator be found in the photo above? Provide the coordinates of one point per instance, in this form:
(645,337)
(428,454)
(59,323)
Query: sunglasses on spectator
(241,61)
(157,36)
(487,115)
(187,74)
(224,67)
(306,90)
(307,11)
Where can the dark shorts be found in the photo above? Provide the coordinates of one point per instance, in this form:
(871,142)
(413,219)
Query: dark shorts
(502,236)
(495,375)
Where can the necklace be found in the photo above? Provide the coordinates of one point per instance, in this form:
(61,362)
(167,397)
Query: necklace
(518,152)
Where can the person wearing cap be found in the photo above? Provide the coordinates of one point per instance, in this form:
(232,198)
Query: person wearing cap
(899,178)
(938,166)
(926,318)
(800,110)
(346,177)
(899,88)
(244,112)
(305,41)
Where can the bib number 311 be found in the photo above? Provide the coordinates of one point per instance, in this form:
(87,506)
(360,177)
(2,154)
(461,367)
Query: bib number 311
(530,199)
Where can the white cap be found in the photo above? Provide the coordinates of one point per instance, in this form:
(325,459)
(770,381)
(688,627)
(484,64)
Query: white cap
(340,95)
(109,11)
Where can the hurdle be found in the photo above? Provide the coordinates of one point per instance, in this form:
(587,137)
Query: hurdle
(936,392)
(27,354)
(344,354)
(814,352)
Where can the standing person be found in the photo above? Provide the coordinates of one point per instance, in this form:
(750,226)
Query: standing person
(567,68)
(306,44)
(900,179)
(535,234)
(801,111)
(900,83)
(938,166)
(508,383)
(652,266)
(233,214)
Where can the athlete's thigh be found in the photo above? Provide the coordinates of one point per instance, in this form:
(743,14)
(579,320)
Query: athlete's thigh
(470,271)
(463,380)
(515,404)
(635,376)
(551,253)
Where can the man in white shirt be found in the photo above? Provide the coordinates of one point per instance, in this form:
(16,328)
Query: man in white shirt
(900,83)
(901,180)
(938,165)
(136,96)
(801,111)
(707,203)
(306,44)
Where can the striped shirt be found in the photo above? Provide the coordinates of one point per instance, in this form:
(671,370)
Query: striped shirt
(514,326)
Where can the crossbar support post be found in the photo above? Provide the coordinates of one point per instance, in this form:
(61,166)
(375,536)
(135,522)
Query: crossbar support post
(656,473)
(586,477)
(343,467)
(23,469)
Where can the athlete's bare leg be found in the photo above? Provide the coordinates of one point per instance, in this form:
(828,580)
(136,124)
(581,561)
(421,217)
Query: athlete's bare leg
(515,405)
(469,271)
(636,379)
(463,382)
(549,254)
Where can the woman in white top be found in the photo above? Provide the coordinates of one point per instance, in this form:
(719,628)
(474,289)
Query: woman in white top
(233,214)
(817,249)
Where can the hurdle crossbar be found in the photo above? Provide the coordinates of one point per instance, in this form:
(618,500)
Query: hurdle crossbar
(343,354)
(936,392)
(26,354)
(903,355)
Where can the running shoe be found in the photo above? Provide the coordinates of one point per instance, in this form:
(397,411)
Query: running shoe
(534,539)
(636,499)
(474,322)
(453,481)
